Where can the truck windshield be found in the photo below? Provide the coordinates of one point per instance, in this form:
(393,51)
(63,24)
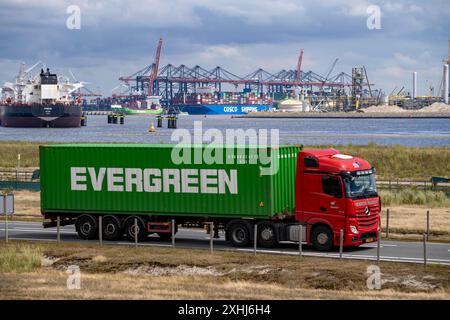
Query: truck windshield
(362,186)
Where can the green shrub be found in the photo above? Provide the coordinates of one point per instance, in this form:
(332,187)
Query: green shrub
(414,197)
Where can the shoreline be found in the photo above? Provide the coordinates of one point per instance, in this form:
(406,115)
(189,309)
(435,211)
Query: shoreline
(346,115)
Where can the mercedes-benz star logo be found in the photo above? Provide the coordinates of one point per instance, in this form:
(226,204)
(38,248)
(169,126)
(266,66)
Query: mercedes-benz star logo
(367,211)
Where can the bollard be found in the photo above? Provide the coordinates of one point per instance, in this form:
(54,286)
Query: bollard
(122,119)
(300,236)
(255,238)
(211,236)
(174,123)
(387,223)
(428,225)
(115,119)
(341,243)
(424,251)
(135,233)
(83,120)
(100,230)
(378,247)
(160,122)
(58,226)
(109,118)
(173,233)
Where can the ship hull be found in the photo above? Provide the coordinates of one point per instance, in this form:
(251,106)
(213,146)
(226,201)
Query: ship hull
(41,116)
(203,109)
(141,112)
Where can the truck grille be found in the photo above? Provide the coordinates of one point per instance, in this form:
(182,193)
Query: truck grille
(364,220)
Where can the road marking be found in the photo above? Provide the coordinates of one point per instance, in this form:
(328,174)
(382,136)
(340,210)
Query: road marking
(381,245)
(40,231)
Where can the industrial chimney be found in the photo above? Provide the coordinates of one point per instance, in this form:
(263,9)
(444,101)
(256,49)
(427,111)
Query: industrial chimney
(414,94)
(446,83)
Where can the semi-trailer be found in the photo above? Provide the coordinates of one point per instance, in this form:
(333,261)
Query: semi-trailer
(279,189)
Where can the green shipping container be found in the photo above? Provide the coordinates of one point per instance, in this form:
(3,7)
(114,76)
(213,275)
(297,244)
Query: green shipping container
(143,179)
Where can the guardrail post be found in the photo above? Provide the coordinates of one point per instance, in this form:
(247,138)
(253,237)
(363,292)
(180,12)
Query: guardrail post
(424,251)
(100,230)
(6,219)
(378,247)
(428,225)
(135,232)
(173,233)
(58,229)
(387,223)
(255,238)
(341,243)
(211,236)
(300,236)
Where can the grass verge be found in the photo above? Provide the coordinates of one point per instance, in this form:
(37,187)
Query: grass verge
(116,272)
(20,258)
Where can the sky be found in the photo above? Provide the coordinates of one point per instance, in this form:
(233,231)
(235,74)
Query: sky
(119,37)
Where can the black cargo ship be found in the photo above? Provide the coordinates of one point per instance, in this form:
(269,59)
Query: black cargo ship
(42,105)
(56,116)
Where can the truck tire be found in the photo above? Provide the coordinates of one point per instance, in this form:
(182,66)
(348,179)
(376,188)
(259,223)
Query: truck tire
(129,229)
(267,236)
(322,238)
(112,229)
(238,234)
(86,227)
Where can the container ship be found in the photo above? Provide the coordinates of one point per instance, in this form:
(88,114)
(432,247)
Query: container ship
(151,106)
(41,101)
(222,103)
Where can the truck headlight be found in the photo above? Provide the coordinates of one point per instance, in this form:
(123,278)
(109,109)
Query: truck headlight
(354,229)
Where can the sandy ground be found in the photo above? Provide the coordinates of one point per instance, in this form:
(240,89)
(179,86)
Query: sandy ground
(111,272)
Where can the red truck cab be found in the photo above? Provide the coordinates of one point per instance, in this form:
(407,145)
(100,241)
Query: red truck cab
(336,192)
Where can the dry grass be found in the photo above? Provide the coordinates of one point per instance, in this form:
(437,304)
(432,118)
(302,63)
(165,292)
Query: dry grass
(411,221)
(29,153)
(20,258)
(27,206)
(401,162)
(410,196)
(105,274)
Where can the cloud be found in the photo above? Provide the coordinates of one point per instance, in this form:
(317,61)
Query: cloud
(119,36)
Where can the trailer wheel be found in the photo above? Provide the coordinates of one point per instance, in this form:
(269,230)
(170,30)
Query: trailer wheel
(322,238)
(267,237)
(111,228)
(86,227)
(238,234)
(141,230)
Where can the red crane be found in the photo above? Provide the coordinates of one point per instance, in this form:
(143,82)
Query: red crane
(299,66)
(155,68)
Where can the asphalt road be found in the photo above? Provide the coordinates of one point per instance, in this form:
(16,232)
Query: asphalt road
(399,251)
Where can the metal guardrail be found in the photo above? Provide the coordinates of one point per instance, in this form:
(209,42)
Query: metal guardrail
(419,185)
(19,175)
(20,179)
